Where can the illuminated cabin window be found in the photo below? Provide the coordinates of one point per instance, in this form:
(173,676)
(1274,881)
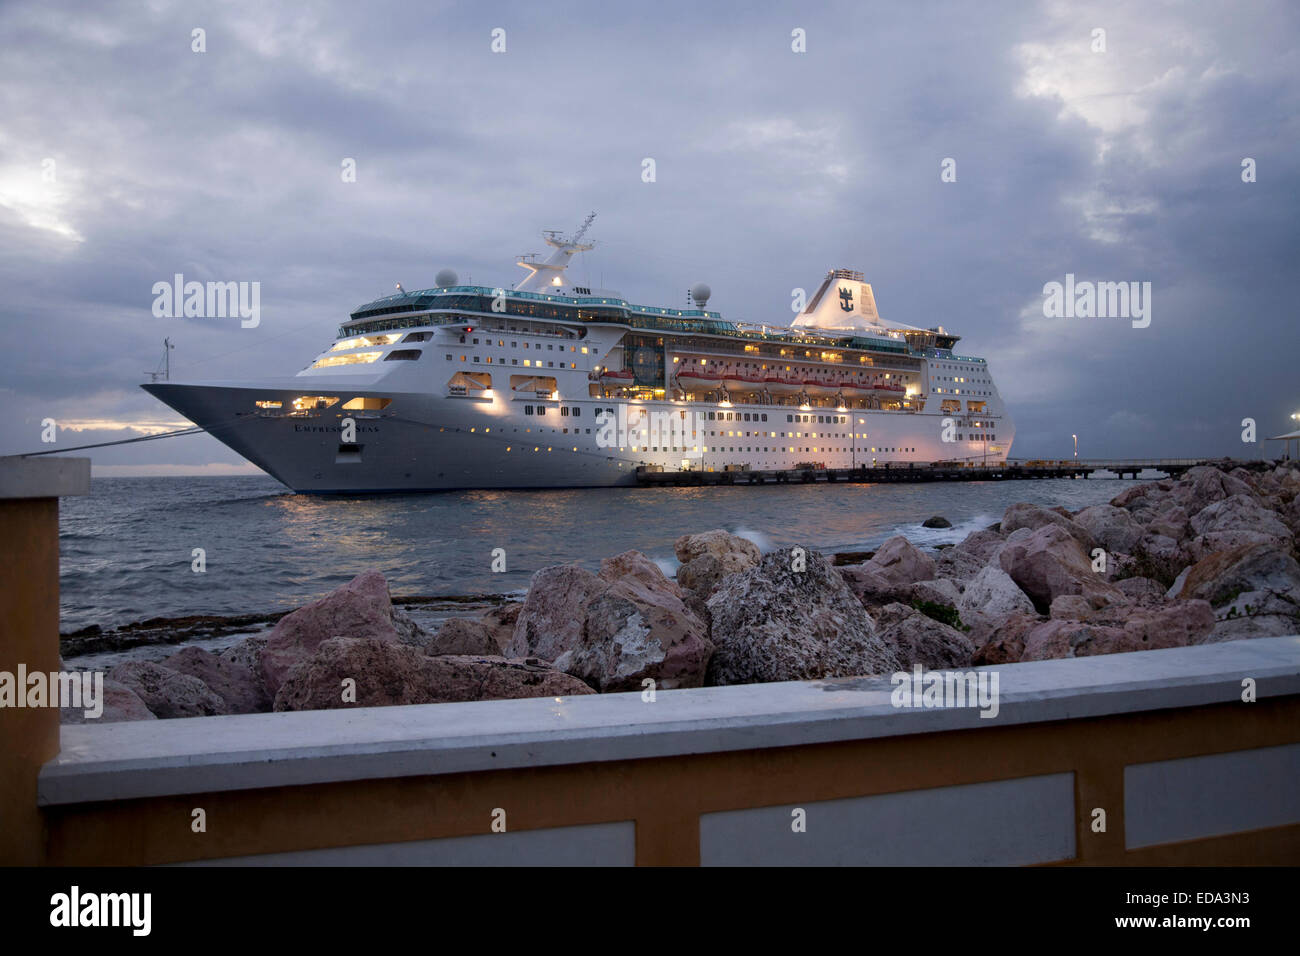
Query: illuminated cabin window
(367,403)
(304,402)
(365,341)
(356,358)
(269,403)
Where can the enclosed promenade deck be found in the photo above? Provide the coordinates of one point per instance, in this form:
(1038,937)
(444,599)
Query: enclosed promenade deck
(1012,469)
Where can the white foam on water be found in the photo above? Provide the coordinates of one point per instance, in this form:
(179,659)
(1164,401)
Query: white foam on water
(668,566)
(924,537)
(763,542)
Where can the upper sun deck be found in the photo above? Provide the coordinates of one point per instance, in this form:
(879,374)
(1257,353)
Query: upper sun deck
(383,314)
(438,298)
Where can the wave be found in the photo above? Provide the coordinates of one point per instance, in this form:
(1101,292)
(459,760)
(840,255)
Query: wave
(924,537)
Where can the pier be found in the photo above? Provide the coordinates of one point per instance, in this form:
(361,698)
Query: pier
(1013,469)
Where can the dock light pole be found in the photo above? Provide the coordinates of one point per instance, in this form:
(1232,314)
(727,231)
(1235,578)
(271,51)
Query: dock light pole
(1076,447)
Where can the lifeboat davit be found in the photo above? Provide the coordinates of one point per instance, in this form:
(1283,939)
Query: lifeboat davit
(698,380)
(782,386)
(887,392)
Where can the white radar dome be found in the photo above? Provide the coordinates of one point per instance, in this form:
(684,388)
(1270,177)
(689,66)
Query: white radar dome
(445,278)
(700,293)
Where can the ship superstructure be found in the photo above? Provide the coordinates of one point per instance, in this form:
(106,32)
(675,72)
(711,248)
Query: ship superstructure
(553,384)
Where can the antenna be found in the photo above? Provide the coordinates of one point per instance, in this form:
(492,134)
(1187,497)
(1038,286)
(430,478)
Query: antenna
(556,237)
(586,224)
(165,373)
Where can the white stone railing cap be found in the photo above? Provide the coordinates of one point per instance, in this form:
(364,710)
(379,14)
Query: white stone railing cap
(46,477)
(127,760)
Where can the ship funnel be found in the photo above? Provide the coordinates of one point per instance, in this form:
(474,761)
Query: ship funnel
(843,302)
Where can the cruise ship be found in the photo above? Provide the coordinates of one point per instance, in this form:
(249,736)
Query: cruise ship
(551,384)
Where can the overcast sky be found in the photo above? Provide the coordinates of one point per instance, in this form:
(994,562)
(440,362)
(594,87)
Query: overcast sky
(772,167)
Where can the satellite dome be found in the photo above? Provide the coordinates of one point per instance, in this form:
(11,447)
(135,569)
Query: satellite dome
(700,293)
(445,278)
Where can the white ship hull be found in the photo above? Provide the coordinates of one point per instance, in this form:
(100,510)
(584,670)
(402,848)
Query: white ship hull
(423,443)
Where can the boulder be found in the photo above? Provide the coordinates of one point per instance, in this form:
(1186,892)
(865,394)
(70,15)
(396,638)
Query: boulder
(463,635)
(1203,485)
(938,591)
(359,609)
(1254,614)
(890,614)
(389,673)
(1132,629)
(1112,528)
(1157,556)
(553,616)
(247,653)
(871,587)
(235,683)
(772,623)
(1140,590)
(936,521)
(1140,496)
(918,639)
(966,559)
(993,592)
(1219,578)
(1234,521)
(1071,607)
(120,703)
(613,629)
(718,543)
(501,620)
(709,557)
(1290,515)
(1171,522)
(408,631)
(900,562)
(1024,515)
(1068,638)
(1051,562)
(168,693)
(1005,643)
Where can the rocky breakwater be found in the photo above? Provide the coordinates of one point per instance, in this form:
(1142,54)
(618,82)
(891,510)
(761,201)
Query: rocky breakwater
(351,648)
(1210,557)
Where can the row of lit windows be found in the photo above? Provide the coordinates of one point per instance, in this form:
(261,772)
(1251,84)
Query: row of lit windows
(528,363)
(550,346)
(824,419)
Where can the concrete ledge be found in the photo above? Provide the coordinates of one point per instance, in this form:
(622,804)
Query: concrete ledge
(48,477)
(212,754)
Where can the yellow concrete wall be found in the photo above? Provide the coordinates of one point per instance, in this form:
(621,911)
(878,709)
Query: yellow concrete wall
(29,634)
(666,796)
